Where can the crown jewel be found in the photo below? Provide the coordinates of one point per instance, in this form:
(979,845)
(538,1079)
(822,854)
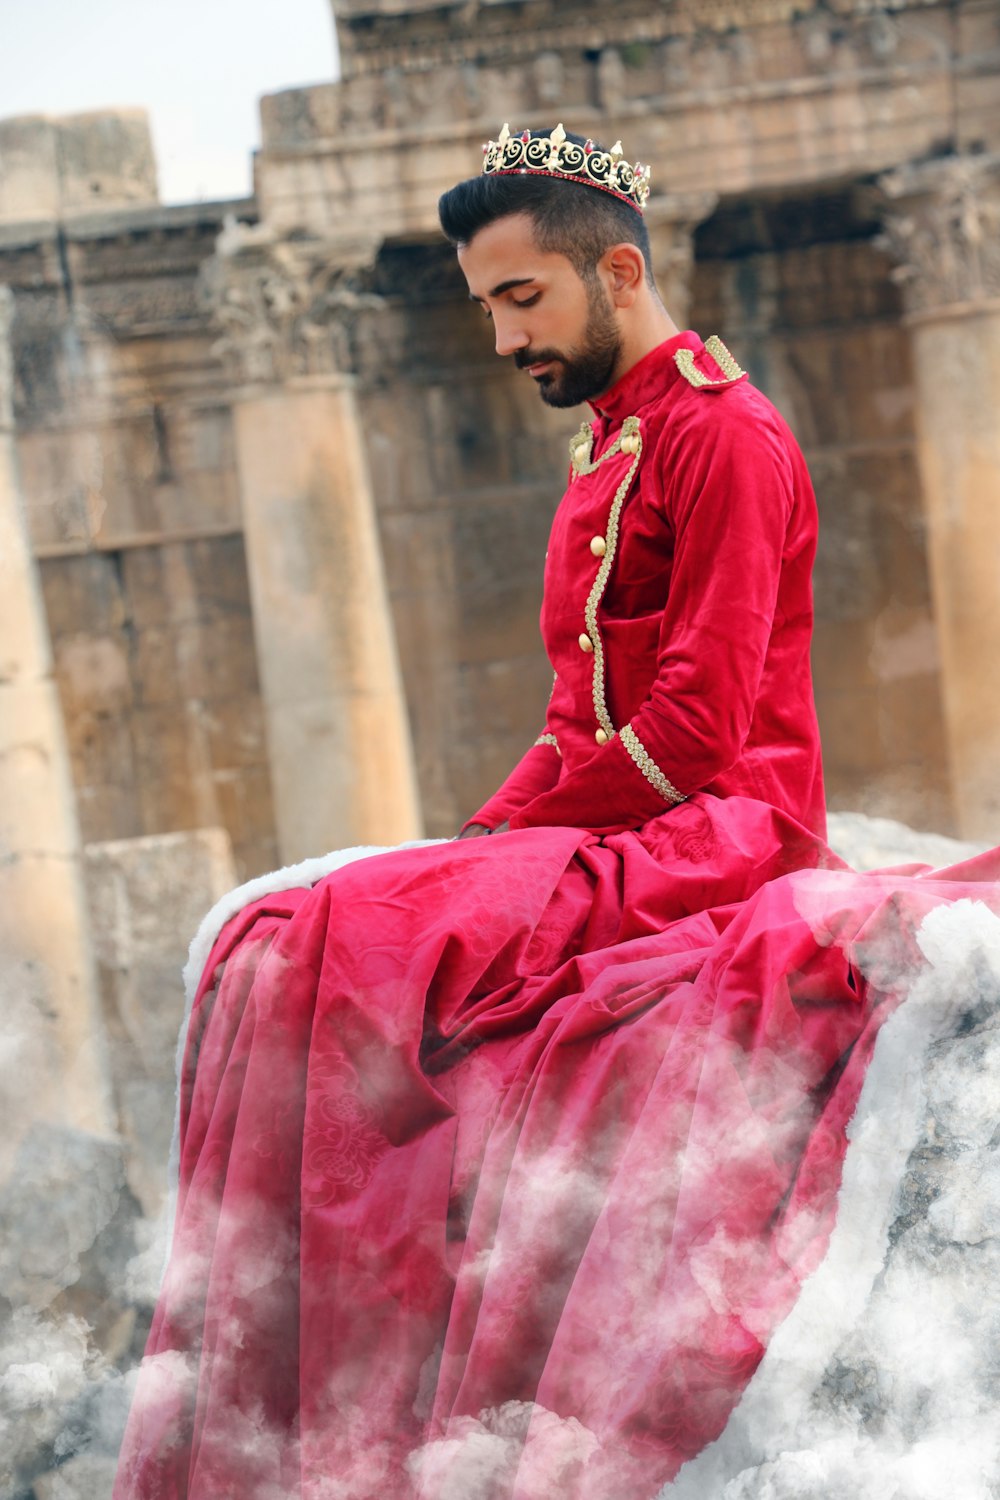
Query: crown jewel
(557,156)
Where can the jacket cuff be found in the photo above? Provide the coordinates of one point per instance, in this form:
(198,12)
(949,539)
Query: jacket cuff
(536,772)
(618,788)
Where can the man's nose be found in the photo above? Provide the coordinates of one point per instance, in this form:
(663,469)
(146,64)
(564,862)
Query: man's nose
(510,335)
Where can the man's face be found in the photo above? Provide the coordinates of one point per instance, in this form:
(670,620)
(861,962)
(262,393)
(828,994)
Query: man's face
(560,329)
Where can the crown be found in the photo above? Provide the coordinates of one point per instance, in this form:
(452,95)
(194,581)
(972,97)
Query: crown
(557,156)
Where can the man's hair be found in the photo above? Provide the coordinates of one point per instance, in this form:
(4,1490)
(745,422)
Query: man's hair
(569,218)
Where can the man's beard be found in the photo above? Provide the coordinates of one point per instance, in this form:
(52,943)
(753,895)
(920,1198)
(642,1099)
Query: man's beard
(582,373)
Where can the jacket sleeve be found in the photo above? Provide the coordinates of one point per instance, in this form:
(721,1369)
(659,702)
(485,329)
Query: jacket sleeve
(536,772)
(731,504)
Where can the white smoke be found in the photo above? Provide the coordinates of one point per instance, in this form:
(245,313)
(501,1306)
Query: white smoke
(883,1381)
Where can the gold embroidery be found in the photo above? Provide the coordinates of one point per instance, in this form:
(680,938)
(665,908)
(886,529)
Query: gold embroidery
(631,435)
(647,765)
(580,446)
(684,360)
(723,358)
(549,739)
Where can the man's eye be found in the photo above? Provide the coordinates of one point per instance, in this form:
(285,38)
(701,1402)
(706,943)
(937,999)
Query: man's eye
(527,301)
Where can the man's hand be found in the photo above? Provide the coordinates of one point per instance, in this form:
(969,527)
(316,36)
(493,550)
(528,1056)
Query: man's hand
(476,830)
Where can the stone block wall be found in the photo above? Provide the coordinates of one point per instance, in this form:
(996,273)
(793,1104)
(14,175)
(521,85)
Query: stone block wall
(155,662)
(147,897)
(128,470)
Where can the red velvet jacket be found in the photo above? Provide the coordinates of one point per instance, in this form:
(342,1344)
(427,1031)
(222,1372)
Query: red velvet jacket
(677,610)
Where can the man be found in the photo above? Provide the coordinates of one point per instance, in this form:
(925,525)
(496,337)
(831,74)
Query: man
(501,1158)
(678,612)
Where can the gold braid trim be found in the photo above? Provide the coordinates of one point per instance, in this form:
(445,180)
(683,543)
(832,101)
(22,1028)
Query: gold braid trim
(647,765)
(549,739)
(629,440)
(684,360)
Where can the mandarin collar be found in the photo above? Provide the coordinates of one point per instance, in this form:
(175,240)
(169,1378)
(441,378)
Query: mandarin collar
(648,380)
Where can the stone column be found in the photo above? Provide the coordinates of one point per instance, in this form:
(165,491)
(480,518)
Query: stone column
(53,1056)
(342,763)
(671,221)
(943,225)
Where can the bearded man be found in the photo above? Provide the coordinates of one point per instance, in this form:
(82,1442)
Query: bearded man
(502,1157)
(677,613)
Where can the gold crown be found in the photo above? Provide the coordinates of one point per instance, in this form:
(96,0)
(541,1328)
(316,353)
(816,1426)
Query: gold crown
(556,156)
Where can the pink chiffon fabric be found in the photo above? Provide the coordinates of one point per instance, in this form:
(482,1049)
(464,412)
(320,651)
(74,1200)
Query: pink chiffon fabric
(501,1159)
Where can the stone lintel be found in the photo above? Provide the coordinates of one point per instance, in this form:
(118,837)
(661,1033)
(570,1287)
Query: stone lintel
(376,35)
(113,224)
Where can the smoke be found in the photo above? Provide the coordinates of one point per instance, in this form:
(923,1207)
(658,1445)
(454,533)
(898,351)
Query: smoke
(518,1442)
(883,1380)
(66,1236)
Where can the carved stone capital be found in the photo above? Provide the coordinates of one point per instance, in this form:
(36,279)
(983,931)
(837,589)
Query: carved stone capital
(672,220)
(942,225)
(285,308)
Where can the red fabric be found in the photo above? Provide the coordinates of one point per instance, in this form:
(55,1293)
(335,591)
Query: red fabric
(706,620)
(516,1146)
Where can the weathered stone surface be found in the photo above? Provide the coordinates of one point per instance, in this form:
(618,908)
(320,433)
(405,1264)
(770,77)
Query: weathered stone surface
(157,672)
(943,223)
(147,897)
(55,165)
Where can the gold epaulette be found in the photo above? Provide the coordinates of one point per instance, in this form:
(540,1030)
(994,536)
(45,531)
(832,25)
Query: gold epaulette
(684,360)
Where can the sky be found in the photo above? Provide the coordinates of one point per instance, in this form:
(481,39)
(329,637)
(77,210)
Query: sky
(198,66)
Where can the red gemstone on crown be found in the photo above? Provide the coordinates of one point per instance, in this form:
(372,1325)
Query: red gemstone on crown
(526,136)
(589,146)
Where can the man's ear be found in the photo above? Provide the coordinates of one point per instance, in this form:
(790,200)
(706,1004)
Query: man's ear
(624,271)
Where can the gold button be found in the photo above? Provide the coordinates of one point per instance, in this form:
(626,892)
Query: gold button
(598,546)
(585,643)
(601,737)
